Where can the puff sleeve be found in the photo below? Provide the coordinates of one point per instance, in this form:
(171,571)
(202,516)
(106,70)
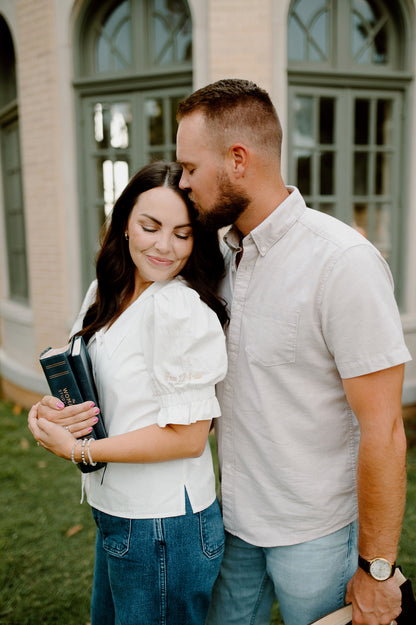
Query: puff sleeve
(185,353)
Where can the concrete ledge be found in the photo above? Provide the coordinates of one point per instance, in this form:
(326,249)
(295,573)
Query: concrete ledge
(19,376)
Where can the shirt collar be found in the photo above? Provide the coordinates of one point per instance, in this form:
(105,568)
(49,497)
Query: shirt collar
(274,227)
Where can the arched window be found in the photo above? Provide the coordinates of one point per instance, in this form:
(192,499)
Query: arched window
(348,81)
(133,65)
(14,216)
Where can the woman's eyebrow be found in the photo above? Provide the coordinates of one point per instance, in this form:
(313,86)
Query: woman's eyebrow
(159,223)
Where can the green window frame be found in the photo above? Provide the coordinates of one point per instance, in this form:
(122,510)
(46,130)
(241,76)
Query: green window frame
(134,64)
(348,97)
(11,165)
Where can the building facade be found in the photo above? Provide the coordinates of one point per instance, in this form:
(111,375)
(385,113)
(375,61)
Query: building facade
(88,94)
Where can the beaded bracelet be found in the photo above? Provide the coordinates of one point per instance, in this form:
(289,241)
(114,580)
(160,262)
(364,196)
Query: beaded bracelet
(84,440)
(73,451)
(89,453)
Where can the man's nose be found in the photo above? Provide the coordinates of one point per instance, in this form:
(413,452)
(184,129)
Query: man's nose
(184,182)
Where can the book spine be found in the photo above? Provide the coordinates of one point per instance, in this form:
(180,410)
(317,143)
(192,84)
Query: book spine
(82,369)
(63,384)
(61,380)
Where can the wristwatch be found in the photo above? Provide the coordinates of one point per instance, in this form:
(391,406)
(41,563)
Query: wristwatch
(380,569)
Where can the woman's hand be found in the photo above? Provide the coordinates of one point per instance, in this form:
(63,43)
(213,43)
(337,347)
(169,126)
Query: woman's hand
(51,436)
(77,419)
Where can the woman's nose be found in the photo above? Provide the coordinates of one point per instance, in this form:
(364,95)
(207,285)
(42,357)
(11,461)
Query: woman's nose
(163,243)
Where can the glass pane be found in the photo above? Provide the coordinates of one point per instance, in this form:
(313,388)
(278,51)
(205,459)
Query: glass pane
(384,125)
(304,172)
(383,174)
(119,126)
(296,41)
(360,222)
(304,121)
(155,126)
(308,30)
(318,43)
(382,239)
(326,120)
(161,122)
(174,124)
(114,177)
(327,173)
(8,89)
(15,231)
(112,125)
(369,37)
(361,122)
(360,173)
(114,41)
(172,32)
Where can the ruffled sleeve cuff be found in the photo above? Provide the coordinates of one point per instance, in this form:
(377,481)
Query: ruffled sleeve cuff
(188,407)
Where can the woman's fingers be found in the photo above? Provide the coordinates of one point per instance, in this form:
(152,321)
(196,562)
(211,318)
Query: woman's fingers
(78,419)
(84,413)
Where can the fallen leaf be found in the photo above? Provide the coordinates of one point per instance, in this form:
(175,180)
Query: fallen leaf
(74,530)
(42,464)
(17,410)
(24,444)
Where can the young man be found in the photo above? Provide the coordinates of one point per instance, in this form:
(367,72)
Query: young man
(311,435)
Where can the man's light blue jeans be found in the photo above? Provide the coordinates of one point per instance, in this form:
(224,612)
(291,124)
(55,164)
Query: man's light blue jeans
(309,580)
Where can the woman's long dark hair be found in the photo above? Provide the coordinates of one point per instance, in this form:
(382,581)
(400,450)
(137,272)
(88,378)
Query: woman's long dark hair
(116,270)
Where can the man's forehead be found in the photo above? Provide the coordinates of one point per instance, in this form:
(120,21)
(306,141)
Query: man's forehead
(192,132)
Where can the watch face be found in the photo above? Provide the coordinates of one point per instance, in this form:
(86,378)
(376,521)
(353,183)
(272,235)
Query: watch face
(380,569)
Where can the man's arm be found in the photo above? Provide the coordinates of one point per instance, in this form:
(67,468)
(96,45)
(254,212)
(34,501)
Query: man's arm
(381,485)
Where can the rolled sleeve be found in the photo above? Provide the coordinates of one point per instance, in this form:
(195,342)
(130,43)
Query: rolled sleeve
(361,321)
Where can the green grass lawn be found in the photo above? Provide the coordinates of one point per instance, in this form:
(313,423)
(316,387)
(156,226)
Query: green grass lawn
(47,538)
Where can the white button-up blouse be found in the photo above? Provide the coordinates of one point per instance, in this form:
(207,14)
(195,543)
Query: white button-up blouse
(157,363)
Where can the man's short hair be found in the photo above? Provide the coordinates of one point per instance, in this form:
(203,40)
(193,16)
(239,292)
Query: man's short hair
(234,107)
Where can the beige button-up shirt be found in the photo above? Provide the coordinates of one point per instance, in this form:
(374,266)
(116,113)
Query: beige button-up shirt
(311,302)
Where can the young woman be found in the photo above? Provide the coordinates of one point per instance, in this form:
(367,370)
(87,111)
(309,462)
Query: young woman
(153,327)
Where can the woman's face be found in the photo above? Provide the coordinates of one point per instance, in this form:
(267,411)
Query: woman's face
(160,235)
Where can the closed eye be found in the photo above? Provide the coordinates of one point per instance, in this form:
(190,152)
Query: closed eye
(148,229)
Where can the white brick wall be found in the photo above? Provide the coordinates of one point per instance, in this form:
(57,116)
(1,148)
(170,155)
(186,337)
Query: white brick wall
(39,97)
(240,42)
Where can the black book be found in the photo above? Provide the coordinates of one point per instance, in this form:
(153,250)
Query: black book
(68,371)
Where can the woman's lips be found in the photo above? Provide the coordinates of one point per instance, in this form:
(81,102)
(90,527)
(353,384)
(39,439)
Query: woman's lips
(162,262)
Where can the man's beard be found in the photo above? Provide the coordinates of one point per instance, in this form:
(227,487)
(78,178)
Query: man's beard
(230,204)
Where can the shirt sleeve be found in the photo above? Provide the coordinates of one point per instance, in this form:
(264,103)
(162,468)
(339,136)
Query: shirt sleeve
(360,317)
(185,353)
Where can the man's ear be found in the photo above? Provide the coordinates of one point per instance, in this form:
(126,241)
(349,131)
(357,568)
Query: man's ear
(239,156)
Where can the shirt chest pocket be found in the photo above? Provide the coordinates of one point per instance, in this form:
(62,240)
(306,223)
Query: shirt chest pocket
(272,341)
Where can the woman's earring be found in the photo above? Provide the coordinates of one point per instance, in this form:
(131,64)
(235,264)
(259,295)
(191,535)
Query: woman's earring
(126,236)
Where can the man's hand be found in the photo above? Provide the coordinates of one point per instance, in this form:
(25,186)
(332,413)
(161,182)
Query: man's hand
(373,603)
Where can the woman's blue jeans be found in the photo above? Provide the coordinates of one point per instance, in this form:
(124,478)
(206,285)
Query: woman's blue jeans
(156,571)
(309,579)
